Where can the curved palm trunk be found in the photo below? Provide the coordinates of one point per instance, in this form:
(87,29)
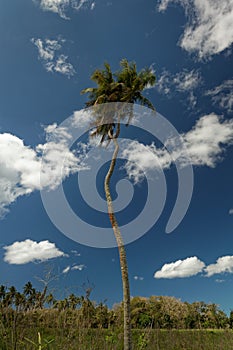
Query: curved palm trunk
(122,253)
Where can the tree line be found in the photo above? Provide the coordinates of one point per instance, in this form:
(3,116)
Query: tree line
(35,308)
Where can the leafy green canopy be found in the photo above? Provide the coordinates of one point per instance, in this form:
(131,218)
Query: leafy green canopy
(125,85)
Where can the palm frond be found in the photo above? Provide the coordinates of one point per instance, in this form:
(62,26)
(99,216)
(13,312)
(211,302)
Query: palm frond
(126,85)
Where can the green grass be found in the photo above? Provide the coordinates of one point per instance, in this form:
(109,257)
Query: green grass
(96,339)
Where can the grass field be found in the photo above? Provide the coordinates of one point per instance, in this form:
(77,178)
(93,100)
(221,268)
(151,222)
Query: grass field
(96,339)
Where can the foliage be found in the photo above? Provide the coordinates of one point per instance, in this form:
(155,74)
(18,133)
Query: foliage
(41,344)
(125,85)
(156,312)
(76,322)
(102,339)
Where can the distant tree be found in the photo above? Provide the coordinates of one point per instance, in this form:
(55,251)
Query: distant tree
(87,313)
(74,301)
(140,315)
(214,317)
(28,289)
(20,301)
(30,296)
(50,299)
(2,293)
(231,319)
(41,298)
(102,316)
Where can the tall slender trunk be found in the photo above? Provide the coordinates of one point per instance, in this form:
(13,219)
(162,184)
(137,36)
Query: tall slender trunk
(122,253)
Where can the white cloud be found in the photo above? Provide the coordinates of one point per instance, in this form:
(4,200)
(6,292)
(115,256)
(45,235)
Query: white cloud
(223,95)
(66,269)
(29,251)
(78,267)
(47,48)
(75,252)
(164,83)
(218,280)
(56,6)
(204,145)
(181,268)
(73,268)
(205,141)
(19,170)
(222,265)
(63,67)
(20,165)
(79,4)
(61,6)
(52,61)
(231,211)
(141,159)
(210,27)
(163,4)
(184,82)
(187,80)
(83,118)
(192,266)
(138,278)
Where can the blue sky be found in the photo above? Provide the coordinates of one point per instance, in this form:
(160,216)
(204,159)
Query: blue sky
(49,48)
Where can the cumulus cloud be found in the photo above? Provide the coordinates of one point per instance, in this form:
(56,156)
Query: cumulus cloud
(61,6)
(205,141)
(185,82)
(51,59)
(21,170)
(203,144)
(222,265)
(231,211)
(210,27)
(192,266)
(181,268)
(141,159)
(30,251)
(223,95)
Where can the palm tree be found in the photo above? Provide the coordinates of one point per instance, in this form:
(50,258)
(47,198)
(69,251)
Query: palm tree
(73,301)
(126,85)
(12,292)
(41,297)
(27,289)
(50,300)
(2,293)
(20,301)
(30,295)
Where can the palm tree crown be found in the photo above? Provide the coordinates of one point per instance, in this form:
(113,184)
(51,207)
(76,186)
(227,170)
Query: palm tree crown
(126,85)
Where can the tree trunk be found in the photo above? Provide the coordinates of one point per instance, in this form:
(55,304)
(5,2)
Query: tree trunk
(122,253)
